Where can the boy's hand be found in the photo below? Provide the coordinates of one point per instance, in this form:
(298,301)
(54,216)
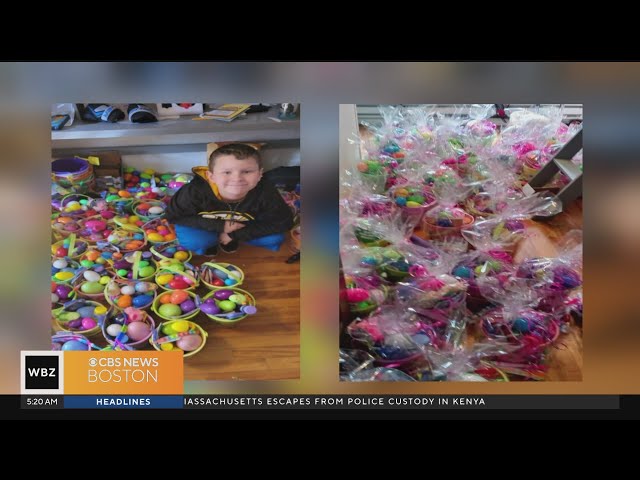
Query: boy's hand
(224,238)
(230,226)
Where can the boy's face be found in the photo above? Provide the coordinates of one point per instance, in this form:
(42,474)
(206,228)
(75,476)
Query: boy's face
(234,177)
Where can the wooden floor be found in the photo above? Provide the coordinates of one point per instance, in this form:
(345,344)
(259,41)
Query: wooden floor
(265,346)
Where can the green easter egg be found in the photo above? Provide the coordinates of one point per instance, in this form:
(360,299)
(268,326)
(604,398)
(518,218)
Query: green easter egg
(87,263)
(168,330)
(92,287)
(122,272)
(143,264)
(170,310)
(145,175)
(112,198)
(227,305)
(416,198)
(146,271)
(413,204)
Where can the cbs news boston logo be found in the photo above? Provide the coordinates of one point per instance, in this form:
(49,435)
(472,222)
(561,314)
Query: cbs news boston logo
(101,373)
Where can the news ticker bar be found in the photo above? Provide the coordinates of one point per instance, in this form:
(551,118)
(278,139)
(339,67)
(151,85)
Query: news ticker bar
(301,402)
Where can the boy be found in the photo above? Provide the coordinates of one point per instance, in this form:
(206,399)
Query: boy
(229,203)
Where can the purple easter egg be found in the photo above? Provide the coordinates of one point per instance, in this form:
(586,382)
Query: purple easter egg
(63,291)
(74,323)
(210,300)
(223,294)
(107,214)
(210,308)
(121,264)
(187,306)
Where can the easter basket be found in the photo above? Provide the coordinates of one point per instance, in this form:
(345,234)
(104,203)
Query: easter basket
(75,174)
(228,306)
(177,276)
(148,209)
(170,336)
(121,204)
(221,275)
(68,341)
(120,299)
(69,247)
(129,329)
(528,324)
(81,316)
(174,305)
(159,232)
(135,266)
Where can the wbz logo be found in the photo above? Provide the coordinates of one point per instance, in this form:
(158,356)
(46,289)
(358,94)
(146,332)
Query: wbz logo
(41,372)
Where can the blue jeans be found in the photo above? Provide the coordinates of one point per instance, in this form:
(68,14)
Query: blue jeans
(198,241)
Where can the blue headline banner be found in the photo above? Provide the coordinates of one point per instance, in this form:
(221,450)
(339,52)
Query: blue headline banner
(124,401)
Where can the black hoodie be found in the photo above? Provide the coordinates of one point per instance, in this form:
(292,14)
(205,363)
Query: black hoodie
(263,210)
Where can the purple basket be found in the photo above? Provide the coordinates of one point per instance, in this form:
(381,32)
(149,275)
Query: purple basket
(69,166)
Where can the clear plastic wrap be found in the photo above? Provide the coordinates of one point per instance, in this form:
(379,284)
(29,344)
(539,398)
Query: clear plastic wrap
(505,230)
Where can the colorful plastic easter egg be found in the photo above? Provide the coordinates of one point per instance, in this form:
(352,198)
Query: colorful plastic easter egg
(145,272)
(223,294)
(128,290)
(114,329)
(170,310)
(178,284)
(54,298)
(180,326)
(74,345)
(164,278)
(189,343)
(92,287)
(188,306)
(88,323)
(60,264)
(63,291)
(138,331)
(179,297)
(156,210)
(182,256)
(169,330)
(140,301)
(124,301)
(165,347)
(227,305)
(91,276)
(210,308)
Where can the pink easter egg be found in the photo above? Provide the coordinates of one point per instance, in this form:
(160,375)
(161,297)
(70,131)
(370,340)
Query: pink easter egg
(138,331)
(189,342)
(88,323)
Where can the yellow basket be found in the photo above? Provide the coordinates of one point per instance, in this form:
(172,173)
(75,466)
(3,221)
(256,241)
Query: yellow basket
(63,324)
(221,318)
(77,286)
(157,340)
(207,274)
(185,316)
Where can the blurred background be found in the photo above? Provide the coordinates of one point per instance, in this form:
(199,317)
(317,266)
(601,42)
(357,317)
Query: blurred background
(611,190)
